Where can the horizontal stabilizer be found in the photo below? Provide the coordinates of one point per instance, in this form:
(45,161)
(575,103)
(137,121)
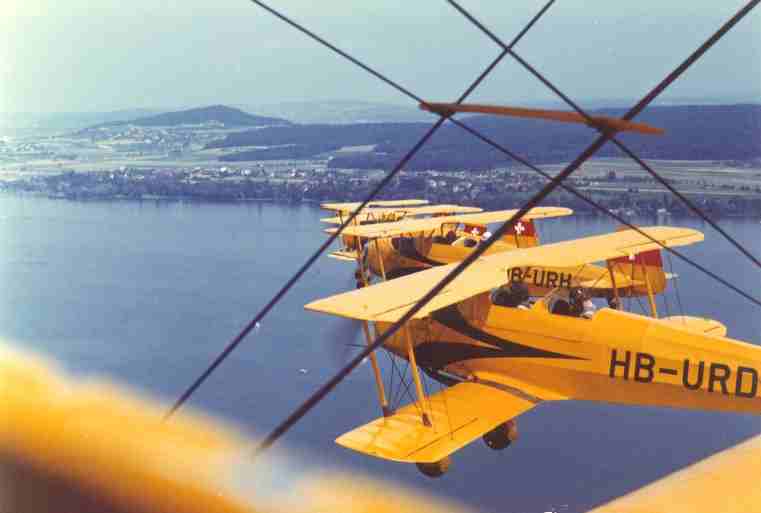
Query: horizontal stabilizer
(698,324)
(345,255)
(459,415)
(599,122)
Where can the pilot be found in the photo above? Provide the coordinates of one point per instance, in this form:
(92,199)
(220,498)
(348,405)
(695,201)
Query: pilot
(581,303)
(614,302)
(514,295)
(359,279)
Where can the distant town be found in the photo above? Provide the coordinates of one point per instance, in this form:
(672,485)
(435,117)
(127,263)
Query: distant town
(145,160)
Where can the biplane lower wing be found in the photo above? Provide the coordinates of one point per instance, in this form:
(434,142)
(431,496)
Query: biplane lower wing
(459,415)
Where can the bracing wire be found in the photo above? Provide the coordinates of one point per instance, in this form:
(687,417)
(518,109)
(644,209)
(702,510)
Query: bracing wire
(701,50)
(606,211)
(459,268)
(312,401)
(640,106)
(310,261)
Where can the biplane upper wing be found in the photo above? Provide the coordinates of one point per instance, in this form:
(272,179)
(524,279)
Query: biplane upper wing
(388,301)
(458,415)
(382,230)
(376,213)
(350,207)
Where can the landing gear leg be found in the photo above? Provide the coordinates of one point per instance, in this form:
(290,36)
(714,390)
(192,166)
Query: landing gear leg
(502,436)
(436,469)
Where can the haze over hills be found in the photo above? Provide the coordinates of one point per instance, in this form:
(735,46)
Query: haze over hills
(347,111)
(693,132)
(341,112)
(228,116)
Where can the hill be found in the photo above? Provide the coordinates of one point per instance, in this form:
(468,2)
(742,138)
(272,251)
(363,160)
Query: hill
(341,112)
(216,113)
(693,132)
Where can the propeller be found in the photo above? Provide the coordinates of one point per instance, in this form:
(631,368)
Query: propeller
(344,336)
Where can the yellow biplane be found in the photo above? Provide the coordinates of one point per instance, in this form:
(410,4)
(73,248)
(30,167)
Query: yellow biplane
(500,361)
(395,249)
(384,211)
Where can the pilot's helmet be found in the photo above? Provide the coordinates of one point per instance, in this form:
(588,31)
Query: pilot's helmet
(578,294)
(519,291)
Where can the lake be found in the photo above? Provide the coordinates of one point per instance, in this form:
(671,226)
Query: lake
(147,293)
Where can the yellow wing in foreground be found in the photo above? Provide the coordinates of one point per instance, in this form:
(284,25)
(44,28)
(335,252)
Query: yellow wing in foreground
(350,207)
(382,230)
(726,482)
(388,301)
(459,415)
(376,213)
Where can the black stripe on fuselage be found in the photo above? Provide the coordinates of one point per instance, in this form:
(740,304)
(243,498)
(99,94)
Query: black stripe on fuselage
(438,354)
(452,318)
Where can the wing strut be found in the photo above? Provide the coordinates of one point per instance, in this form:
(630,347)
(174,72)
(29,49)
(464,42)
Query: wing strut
(613,284)
(416,375)
(368,339)
(650,297)
(380,259)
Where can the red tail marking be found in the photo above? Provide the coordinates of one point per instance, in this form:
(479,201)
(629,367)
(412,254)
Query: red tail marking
(524,227)
(650,258)
(475,229)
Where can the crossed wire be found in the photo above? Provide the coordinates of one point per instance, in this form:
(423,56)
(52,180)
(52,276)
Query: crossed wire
(508,49)
(613,139)
(350,219)
(542,194)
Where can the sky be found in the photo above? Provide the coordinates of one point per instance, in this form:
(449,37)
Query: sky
(83,56)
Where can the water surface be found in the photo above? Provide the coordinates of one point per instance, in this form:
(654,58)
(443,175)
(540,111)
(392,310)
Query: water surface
(149,292)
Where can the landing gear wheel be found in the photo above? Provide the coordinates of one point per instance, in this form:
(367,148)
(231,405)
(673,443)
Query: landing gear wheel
(436,469)
(501,436)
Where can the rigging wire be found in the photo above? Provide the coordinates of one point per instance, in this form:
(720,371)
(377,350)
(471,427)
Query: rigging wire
(636,109)
(615,140)
(310,261)
(292,281)
(459,268)
(315,398)
(606,211)
(554,183)
(640,106)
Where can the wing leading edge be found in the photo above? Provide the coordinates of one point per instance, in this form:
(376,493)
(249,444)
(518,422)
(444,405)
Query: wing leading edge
(406,226)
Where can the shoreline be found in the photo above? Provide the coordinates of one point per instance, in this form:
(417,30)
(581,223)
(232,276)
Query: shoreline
(316,203)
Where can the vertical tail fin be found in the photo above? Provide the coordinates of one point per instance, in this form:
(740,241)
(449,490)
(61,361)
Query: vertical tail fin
(523,234)
(643,267)
(475,229)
